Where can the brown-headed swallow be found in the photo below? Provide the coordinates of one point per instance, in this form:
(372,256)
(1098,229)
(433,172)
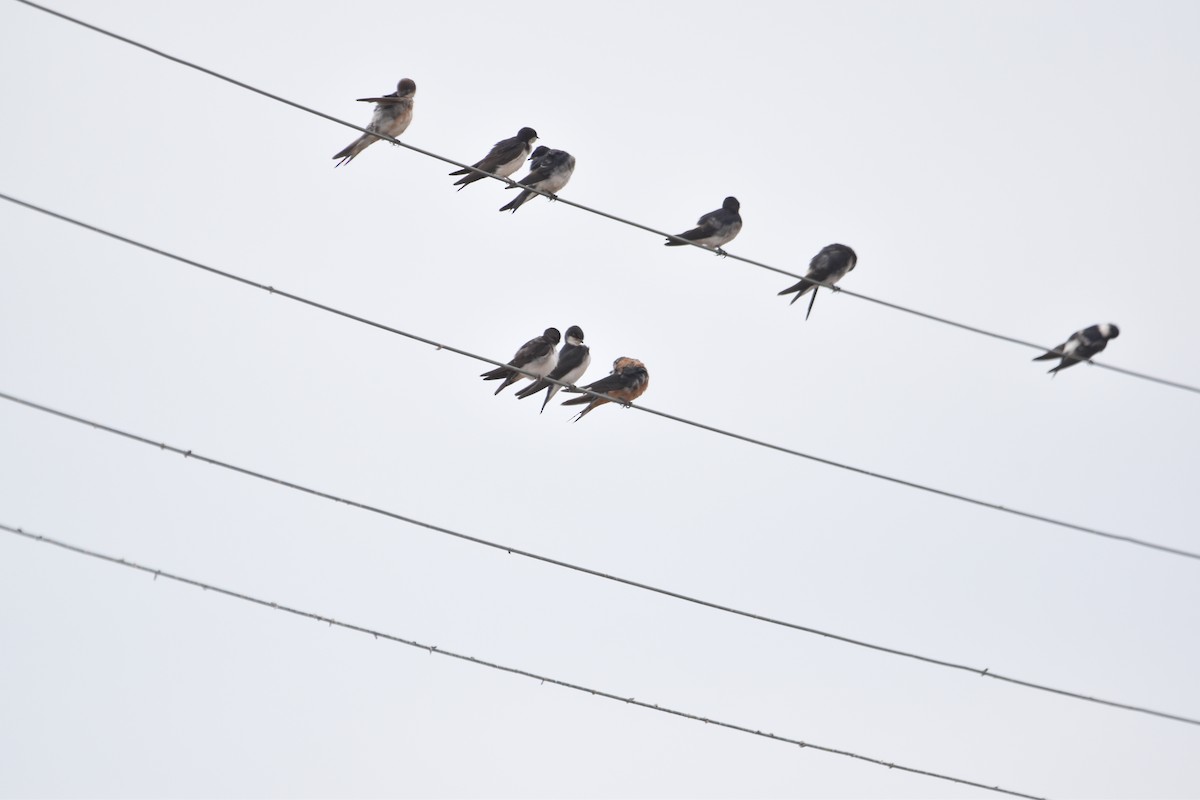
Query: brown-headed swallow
(392,114)
(627,382)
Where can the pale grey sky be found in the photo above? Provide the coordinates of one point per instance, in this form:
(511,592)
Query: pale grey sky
(1028,167)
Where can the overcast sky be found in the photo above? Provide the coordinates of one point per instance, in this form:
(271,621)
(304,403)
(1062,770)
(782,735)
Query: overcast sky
(1028,167)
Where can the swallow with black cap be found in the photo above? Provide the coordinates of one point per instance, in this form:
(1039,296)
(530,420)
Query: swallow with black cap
(1081,346)
(393,113)
(549,171)
(573,361)
(505,158)
(713,229)
(538,356)
(627,382)
(828,266)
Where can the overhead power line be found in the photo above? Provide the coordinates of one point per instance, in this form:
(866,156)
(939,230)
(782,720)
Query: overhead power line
(711,428)
(433,649)
(984,672)
(615,218)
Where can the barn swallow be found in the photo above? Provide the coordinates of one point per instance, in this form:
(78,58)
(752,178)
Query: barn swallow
(573,361)
(392,114)
(505,158)
(715,228)
(828,266)
(1081,346)
(626,383)
(549,171)
(537,356)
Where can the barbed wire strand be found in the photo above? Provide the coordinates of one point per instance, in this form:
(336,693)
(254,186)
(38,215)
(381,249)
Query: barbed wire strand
(434,649)
(598,212)
(675,418)
(511,550)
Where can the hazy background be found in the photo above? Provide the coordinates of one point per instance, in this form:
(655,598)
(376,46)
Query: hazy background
(1028,167)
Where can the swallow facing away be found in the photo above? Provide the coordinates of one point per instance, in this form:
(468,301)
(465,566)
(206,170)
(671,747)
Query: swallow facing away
(828,266)
(1081,346)
(505,158)
(715,228)
(537,356)
(549,170)
(392,114)
(573,361)
(627,382)
(538,153)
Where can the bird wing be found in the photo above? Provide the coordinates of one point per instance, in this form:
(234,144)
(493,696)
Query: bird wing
(387,99)
(502,153)
(535,348)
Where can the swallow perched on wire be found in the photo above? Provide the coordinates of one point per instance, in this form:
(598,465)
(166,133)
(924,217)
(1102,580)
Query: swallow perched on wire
(828,266)
(505,158)
(537,356)
(392,114)
(627,382)
(715,228)
(573,361)
(549,171)
(535,158)
(1081,346)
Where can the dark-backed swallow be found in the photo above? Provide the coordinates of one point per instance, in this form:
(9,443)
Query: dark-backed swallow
(549,171)
(573,361)
(504,159)
(392,114)
(535,158)
(828,266)
(627,382)
(715,228)
(1081,346)
(537,356)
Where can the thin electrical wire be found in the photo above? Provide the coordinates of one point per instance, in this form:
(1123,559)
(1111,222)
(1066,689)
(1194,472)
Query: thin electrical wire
(703,426)
(631,223)
(509,549)
(624,221)
(434,649)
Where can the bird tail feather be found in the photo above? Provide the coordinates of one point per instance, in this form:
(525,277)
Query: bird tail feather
(532,388)
(517,201)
